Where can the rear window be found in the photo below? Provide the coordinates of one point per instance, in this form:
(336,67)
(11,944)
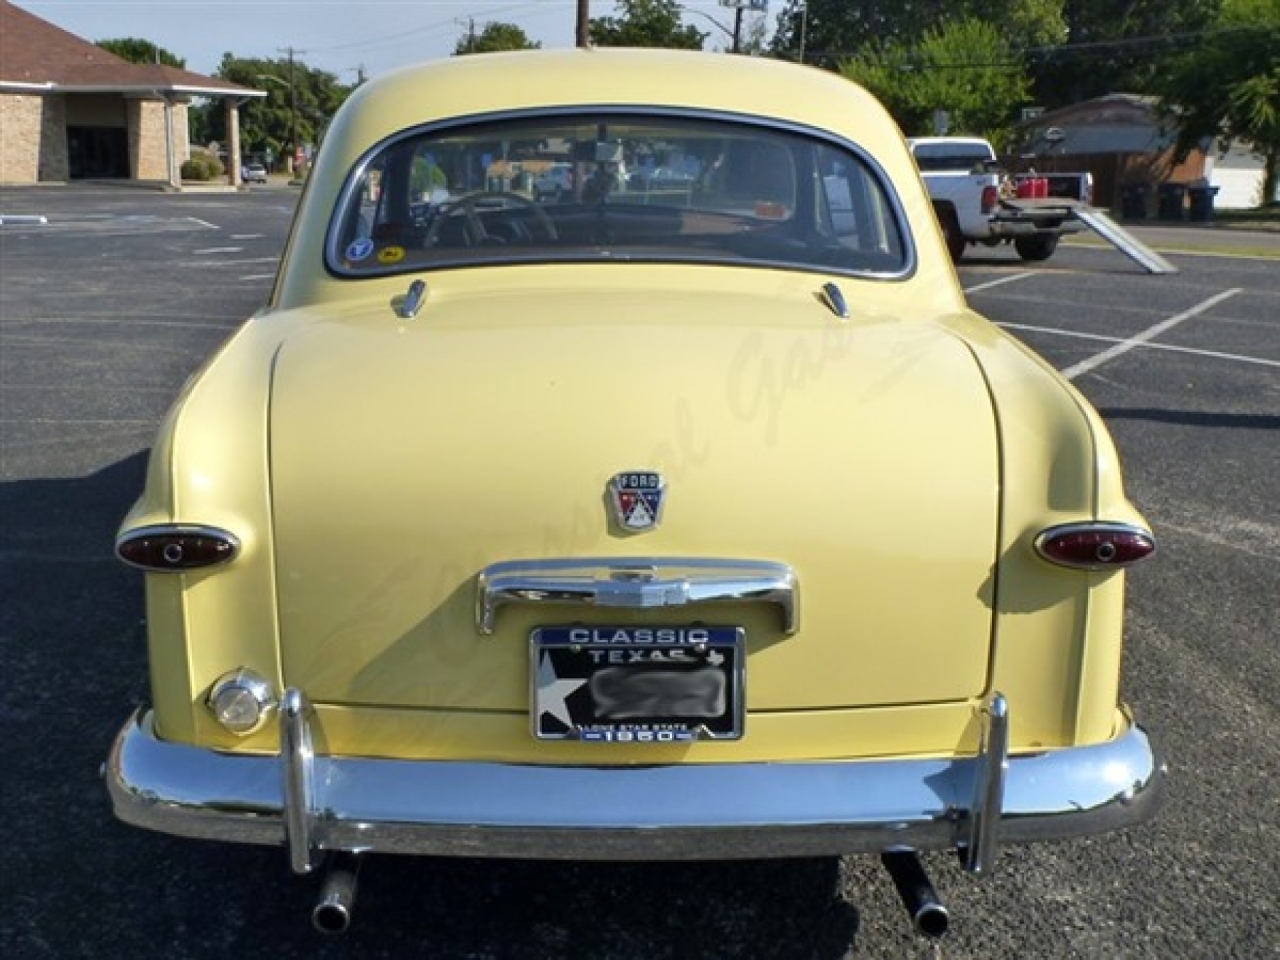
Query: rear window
(934,157)
(616,186)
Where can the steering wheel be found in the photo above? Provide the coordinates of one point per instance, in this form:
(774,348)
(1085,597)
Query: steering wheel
(465,206)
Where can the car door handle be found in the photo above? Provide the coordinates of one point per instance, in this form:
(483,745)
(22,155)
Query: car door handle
(636,583)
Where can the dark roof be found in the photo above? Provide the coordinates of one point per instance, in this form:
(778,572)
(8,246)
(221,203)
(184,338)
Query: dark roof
(34,54)
(1115,123)
(1113,108)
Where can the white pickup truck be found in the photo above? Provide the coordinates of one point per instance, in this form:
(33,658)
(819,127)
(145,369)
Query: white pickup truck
(976,201)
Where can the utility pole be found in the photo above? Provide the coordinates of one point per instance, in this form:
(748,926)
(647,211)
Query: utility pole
(583,32)
(804,25)
(755,6)
(295,146)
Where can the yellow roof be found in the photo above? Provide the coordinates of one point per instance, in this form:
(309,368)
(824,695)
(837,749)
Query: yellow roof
(486,83)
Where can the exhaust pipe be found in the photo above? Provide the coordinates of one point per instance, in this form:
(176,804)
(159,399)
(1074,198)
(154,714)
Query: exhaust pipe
(332,912)
(928,914)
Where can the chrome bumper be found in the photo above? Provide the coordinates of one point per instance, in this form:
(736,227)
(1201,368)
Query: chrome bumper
(313,804)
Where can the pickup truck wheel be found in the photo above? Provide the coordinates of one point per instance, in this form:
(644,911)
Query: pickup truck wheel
(1038,247)
(951,234)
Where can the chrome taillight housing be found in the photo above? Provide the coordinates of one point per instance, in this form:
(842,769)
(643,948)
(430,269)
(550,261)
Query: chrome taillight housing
(174,548)
(1095,545)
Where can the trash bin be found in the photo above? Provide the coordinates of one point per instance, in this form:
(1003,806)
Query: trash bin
(1173,197)
(1202,202)
(1133,201)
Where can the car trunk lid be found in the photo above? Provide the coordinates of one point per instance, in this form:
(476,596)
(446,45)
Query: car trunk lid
(408,458)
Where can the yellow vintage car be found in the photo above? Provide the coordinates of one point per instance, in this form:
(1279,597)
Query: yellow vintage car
(682,511)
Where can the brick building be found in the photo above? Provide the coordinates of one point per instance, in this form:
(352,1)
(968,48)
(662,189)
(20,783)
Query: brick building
(70,110)
(1125,142)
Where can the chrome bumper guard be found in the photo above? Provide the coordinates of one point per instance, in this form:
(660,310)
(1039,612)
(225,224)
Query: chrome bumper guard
(313,803)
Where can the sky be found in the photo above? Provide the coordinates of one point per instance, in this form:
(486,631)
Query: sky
(345,37)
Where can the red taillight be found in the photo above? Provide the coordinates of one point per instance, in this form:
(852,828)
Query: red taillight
(1095,546)
(990,196)
(174,548)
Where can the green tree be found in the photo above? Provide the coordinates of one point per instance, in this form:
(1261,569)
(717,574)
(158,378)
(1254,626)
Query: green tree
(827,32)
(492,38)
(888,70)
(966,68)
(1228,88)
(830,32)
(141,51)
(296,95)
(1116,48)
(646,23)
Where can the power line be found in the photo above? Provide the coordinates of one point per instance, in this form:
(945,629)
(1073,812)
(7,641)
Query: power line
(401,35)
(1094,48)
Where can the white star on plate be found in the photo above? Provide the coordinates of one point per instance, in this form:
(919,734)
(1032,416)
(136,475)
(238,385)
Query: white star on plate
(552,691)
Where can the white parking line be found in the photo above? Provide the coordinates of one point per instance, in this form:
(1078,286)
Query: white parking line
(1124,346)
(212,264)
(998,283)
(103,224)
(1218,355)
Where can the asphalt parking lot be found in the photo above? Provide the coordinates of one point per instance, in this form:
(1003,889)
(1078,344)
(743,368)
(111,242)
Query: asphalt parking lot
(108,305)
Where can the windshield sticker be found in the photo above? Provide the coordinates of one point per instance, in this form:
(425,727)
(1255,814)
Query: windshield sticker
(359,250)
(391,254)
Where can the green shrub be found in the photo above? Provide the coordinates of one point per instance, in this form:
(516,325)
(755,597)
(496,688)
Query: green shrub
(202,167)
(194,169)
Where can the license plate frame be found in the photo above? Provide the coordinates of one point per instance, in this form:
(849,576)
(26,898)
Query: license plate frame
(637,684)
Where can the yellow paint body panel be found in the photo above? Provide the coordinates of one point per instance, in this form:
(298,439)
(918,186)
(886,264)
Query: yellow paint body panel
(901,460)
(507,427)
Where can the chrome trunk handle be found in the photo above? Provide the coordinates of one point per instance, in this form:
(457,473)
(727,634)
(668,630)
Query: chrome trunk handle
(636,583)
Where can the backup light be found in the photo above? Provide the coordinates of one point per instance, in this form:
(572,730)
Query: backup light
(1095,545)
(241,701)
(174,548)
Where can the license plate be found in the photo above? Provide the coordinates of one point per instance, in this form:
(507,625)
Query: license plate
(637,684)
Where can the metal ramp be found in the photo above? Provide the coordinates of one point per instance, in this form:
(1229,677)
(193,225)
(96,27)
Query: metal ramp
(1123,240)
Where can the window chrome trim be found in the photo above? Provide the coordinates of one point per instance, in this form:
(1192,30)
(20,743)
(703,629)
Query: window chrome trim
(333,252)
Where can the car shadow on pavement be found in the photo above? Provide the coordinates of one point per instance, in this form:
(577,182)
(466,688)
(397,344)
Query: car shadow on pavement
(1195,418)
(71,626)
(74,647)
(624,911)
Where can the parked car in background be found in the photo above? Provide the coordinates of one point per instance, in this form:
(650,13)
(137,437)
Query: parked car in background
(661,178)
(648,524)
(977,201)
(553,181)
(254,173)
